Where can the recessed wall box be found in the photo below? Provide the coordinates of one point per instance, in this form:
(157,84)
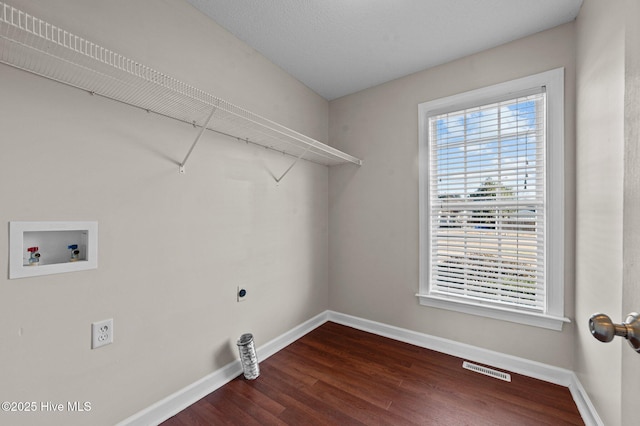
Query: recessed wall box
(59,246)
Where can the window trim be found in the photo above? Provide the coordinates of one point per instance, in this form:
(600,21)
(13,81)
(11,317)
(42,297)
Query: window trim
(553,318)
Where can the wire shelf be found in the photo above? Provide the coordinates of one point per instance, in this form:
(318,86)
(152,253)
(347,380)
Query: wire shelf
(31,44)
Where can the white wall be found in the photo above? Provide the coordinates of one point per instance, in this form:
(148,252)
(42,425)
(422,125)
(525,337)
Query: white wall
(172,247)
(600,167)
(373,211)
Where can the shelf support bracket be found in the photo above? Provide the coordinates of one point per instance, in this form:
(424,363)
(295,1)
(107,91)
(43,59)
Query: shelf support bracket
(193,145)
(293,164)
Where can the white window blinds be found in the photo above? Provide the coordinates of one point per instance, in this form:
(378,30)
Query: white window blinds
(487,203)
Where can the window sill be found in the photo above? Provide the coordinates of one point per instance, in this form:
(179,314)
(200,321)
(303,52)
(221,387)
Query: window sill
(528,318)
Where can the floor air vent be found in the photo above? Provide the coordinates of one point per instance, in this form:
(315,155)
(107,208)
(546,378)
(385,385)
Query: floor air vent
(487,371)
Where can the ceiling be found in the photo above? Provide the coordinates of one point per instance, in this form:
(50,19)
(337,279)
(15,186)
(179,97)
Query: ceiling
(338,47)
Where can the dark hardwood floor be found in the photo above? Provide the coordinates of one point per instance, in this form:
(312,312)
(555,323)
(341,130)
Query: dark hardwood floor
(336,375)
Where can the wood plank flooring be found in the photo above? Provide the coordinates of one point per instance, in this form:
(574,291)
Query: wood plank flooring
(336,375)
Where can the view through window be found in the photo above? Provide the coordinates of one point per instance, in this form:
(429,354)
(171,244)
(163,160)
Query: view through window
(492,201)
(487,202)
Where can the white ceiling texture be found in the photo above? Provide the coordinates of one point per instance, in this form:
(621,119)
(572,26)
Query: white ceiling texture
(338,47)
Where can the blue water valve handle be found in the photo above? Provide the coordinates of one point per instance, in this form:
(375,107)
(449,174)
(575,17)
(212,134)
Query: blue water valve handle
(74,251)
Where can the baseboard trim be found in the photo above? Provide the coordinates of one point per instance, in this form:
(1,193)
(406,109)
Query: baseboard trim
(585,406)
(514,364)
(178,401)
(510,363)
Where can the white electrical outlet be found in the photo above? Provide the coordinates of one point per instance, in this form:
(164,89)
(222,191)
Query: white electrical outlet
(242,293)
(101,333)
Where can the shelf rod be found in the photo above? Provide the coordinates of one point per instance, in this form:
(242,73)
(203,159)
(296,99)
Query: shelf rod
(193,145)
(293,164)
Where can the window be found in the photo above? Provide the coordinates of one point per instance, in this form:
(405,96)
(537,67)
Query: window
(491,208)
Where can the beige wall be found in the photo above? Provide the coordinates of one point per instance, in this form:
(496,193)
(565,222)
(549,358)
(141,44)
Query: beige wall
(600,164)
(172,247)
(373,211)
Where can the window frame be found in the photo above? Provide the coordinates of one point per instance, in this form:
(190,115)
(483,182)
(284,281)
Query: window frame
(553,315)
